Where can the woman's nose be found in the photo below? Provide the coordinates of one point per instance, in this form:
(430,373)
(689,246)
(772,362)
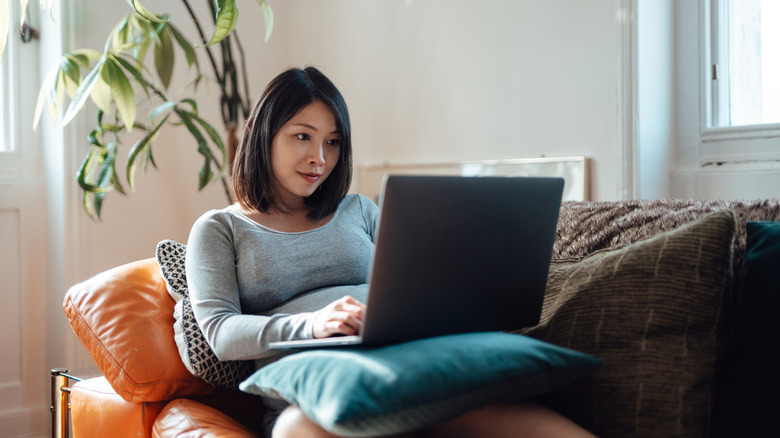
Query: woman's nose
(316,155)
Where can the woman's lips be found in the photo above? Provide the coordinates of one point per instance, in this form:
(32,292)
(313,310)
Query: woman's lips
(310,177)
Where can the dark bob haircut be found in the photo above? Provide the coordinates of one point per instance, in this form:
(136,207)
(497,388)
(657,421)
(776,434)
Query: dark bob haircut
(254,182)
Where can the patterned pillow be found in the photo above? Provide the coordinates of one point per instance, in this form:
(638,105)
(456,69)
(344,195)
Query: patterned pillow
(195,352)
(651,311)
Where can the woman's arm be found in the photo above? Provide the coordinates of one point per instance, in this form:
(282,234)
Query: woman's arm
(213,285)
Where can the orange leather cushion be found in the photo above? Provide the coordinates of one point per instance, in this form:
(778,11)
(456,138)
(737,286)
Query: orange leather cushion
(97,411)
(188,418)
(124,318)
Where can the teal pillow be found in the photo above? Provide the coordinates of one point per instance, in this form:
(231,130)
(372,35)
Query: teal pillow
(403,387)
(749,398)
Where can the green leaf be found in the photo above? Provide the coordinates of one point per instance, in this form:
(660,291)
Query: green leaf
(163,57)
(95,136)
(87,169)
(142,11)
(189,51)
(165,106)
(227,17)
(107,177)
(205,174)
(149,158)
(216,139)
(69,85)
(81,60)
(133,71)
(140,49)
(97,200)
(93,194)
(123,93)
(60,87)
(85,56)
(268,14)
(187,120)
(139,147)
(83,92)
(71,74)
(101,93)
(46,87)
(196,81)
(122,33)
(71,67)
(85,199)
(192,104)
(117,185)
(147,31)
(52,91)
(145,158)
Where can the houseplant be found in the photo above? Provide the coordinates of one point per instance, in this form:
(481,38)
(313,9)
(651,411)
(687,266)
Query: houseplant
(128,83)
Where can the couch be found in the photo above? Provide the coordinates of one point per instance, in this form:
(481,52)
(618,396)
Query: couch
(671,306)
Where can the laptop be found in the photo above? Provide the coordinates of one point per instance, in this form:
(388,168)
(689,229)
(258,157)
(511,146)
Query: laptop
(455,255)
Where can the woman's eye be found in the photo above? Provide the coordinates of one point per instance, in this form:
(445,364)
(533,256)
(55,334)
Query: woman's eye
(335,142)
(303,137)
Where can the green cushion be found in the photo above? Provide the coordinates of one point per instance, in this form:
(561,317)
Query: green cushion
(750,398)
(403,387)
(651,311)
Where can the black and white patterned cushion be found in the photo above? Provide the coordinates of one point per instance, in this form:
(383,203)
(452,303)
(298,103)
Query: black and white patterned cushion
(195,352)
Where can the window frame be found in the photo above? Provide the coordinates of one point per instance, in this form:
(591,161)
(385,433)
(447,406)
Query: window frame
(5,135)
(730,144)
(20,89)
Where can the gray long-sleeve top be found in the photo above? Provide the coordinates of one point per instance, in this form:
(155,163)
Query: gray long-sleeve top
(251,285)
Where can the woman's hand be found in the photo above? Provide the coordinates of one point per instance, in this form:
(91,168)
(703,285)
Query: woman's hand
(341,317)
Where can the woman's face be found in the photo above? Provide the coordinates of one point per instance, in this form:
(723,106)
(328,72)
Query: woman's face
(304,152)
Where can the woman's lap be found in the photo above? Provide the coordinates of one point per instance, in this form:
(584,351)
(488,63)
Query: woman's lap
(496,420)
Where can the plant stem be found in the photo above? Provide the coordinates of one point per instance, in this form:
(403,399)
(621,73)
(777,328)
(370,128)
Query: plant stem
(194,17)
(229,74)
(228,193)
(246,104)
(232,100)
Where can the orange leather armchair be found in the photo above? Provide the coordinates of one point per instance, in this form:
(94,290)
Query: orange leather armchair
(124,318)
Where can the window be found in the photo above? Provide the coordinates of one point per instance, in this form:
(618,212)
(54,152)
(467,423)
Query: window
(6,94)
(746,62)
(740,106)
(19,143)
(4,143)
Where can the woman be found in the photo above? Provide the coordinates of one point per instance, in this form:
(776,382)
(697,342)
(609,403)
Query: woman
(290,260)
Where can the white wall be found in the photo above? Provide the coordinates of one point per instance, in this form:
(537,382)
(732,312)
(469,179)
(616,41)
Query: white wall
(439,80)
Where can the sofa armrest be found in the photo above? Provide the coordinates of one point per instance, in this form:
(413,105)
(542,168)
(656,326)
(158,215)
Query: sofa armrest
(124,318)
(188,418)
(98,411)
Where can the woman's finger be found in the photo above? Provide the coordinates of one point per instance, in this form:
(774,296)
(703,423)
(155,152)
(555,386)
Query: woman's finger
(350,300)
(343,316)
(347,319)
(352,309)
